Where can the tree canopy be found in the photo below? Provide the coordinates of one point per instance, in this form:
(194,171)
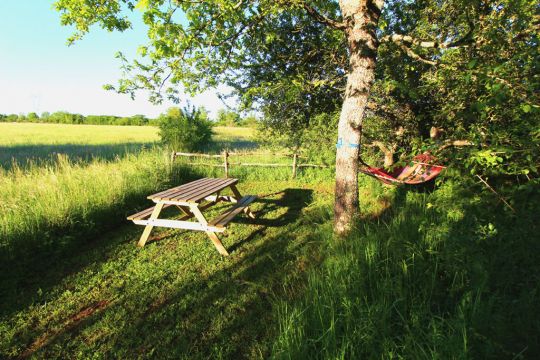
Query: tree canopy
(468,67)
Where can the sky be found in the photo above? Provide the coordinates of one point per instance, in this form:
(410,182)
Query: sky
(39,72)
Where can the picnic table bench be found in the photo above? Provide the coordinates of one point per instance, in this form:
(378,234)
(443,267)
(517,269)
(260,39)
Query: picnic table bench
(191,199)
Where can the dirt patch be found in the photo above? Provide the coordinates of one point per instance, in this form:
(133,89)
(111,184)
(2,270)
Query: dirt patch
(72,322)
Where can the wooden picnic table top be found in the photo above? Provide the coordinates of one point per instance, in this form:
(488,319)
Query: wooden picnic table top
(194,191)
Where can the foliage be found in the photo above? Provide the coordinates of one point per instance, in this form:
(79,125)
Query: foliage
(484,91)
(272,53)
(233,118)
(438,275)
(185,129)
(227,118)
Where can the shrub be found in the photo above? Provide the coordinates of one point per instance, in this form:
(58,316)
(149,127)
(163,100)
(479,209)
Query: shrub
(185,129)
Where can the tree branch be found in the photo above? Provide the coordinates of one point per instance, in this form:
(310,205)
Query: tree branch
(415,56)
(409,40)
(378,144)
(322,18)
(388,152)
(449,143)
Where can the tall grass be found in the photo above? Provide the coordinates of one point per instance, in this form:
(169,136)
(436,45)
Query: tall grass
(46,206)
(441,275)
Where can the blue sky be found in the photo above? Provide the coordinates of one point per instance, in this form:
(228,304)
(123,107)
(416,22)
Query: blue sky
(39,72)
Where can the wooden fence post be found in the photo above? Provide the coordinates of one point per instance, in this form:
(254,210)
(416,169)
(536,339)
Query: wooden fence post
(226,163)
(173,157)
(295,158)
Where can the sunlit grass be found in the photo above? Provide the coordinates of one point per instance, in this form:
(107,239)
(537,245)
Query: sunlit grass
(30,144)
(12,134)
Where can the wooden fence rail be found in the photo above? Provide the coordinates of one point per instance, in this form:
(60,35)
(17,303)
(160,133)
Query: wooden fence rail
(226,165)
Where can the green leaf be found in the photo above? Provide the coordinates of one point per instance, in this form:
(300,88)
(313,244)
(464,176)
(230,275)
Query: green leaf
(142,5)
(472,63)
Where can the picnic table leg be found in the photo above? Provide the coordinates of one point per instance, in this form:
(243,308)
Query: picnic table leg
(217,243)
(148,228)
(212,235)
(184,210)
(238,196)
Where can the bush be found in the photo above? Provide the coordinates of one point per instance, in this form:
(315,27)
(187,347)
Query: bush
(185,129)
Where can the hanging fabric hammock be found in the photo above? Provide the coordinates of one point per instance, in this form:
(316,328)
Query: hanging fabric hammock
(418,172)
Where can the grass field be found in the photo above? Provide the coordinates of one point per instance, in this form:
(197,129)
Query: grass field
(442,272)
(25,143)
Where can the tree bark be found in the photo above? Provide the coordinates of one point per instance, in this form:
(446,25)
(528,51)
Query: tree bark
(361,19)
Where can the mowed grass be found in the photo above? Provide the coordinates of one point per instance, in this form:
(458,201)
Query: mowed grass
(175,298)
(76,285)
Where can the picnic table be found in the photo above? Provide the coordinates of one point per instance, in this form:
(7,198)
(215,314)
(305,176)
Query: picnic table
(192,199)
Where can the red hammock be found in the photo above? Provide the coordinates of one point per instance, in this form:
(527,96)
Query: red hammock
(419,172)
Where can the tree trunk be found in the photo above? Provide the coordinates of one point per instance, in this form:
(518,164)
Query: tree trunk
(361,18)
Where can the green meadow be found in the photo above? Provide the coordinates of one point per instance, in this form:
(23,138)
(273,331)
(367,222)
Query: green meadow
(23,144)
(438,271)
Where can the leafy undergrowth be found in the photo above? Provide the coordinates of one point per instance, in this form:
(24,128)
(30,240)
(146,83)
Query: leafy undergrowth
(176,297)
(448,273)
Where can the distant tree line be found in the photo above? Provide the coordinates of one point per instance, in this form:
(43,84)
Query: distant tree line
(224,118)
(232,118)
(62,117)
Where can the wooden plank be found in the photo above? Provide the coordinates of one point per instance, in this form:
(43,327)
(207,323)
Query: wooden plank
(202,195)
(313,165)
(295,158)
(239,153)
(177,224)
(192,186)
(145,213)
(217,243)
(259,164)
(214,185)
(178,188)
(226,163)
(230,213)
(219,185)
(236,193)
(149,226)
(196,155)
(205,164)
(198,215)
(185,195)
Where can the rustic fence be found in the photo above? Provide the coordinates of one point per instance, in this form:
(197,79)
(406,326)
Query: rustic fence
(226,164)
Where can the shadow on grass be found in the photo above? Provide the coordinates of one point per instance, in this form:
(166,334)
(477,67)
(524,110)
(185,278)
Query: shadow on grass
(228,312)
(38,259)
(232,144)
(217,309)
(43,154)
(448,274)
